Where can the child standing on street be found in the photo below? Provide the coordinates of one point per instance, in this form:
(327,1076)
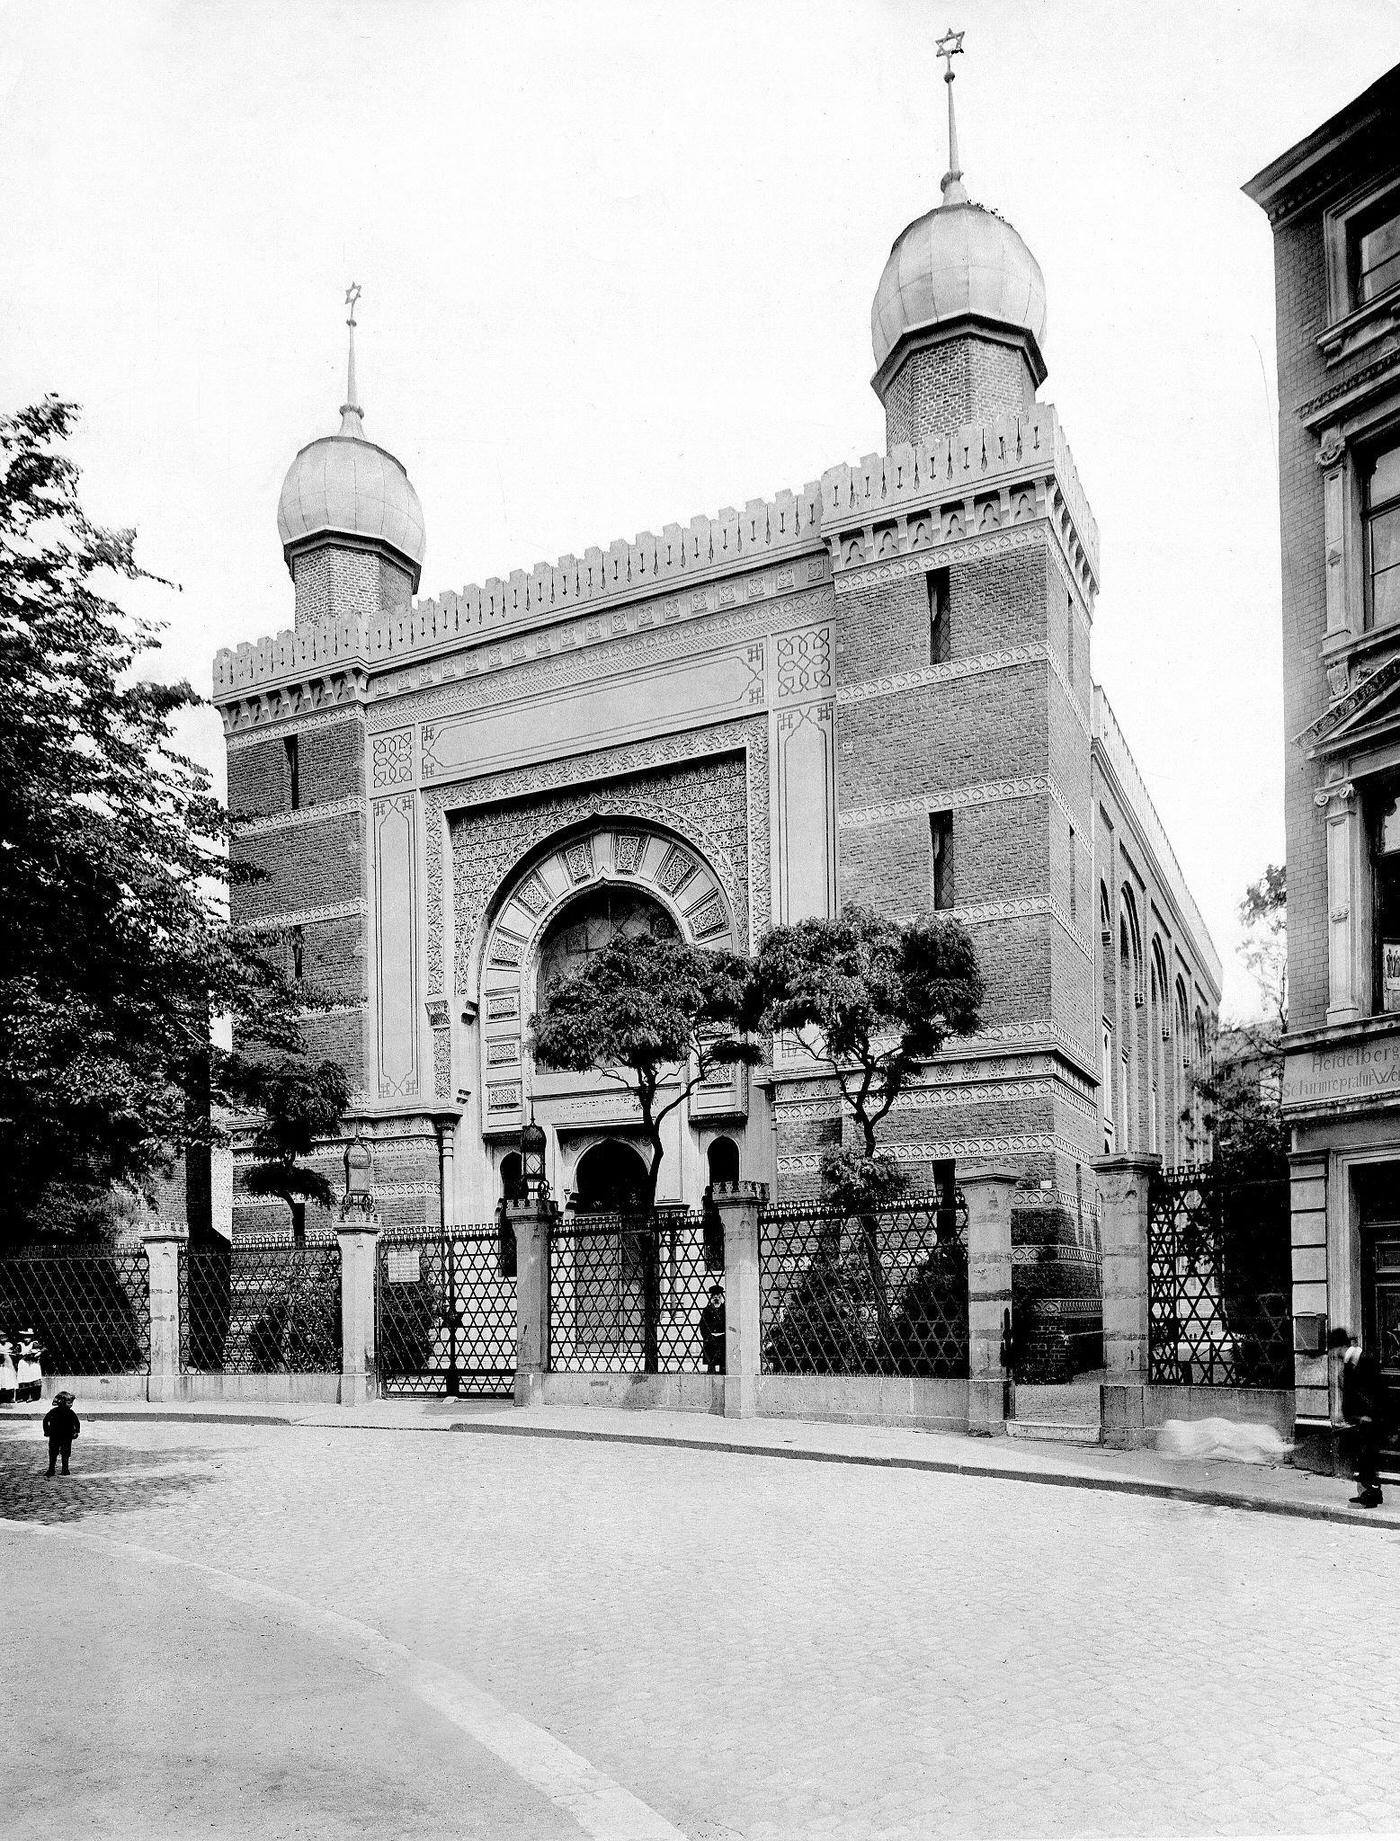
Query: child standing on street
(9,1380)
(61,1426)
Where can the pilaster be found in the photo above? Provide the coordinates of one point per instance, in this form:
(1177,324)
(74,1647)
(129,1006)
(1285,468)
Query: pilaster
(1125,1185)
(530,1220)
(163,1242)
(738,1205)
(988,1192)
(1348,936)
(359,1239)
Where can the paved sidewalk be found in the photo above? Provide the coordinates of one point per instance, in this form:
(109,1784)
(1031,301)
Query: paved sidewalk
(1271,1489)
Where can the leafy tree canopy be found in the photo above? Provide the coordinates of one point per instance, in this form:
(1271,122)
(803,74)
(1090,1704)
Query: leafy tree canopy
(114,950)
(879,995)
(1242,1084)
(657,1016)
(298,1105)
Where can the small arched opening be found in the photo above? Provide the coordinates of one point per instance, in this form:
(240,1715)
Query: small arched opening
(723,1159)
(610,1179)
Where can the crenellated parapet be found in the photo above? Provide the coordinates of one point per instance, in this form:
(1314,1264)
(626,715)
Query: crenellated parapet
(896,508)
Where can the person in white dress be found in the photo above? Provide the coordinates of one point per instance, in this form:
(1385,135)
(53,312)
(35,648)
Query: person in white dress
(8,1378)
(28,1375)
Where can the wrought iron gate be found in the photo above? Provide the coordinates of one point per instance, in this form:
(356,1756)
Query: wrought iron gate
(1218,1281)
(626,1293)
(445,1311)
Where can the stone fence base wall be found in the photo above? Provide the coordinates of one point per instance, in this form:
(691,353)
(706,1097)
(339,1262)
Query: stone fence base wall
(936,1406)
(1272,1406)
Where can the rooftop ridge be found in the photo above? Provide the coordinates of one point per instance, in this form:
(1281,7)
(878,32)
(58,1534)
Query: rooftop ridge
(1108,733)
(765,530)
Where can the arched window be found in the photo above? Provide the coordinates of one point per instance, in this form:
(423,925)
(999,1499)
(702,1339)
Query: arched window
(1181,1076)
(723,1159)
(583,928)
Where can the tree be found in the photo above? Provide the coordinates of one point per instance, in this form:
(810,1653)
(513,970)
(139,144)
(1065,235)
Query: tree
(874,998)
(1241,1090)
(298,1105)
(656,1016)
(114,949)
(880,996)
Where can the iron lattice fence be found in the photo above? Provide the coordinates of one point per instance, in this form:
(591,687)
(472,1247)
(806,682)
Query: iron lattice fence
(89,1307)
(1219,1312)
(626,1293)
(445,1309)
(260,1306)
(883,1292)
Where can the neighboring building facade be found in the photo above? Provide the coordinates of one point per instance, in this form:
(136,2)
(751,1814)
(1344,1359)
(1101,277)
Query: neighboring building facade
(875,689)
(1334,204)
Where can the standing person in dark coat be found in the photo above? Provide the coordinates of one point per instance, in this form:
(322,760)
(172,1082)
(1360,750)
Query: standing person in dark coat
(61,1427)
(712,1333)
(1366,1410)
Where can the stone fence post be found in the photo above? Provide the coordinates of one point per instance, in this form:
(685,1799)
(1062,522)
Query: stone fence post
(530,1219)
(163,1241)
(738,1205)
(1125,1184)
(358,1234)
(988,1192)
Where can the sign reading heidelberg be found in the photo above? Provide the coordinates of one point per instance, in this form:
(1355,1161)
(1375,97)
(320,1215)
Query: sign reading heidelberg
(1351,1072)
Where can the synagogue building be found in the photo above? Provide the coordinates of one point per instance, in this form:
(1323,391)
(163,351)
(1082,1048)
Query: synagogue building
(877,688)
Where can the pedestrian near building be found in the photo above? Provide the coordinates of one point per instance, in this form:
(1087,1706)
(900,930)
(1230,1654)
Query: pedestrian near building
(28,1376)
(61,1426)
(1366,1410)
(712,1331)
(9,1380)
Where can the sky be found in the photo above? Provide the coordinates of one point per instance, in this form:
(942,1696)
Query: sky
(617,262)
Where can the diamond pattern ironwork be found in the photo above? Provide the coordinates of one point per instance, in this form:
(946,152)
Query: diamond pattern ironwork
(89,1307)
(1219,1310)
(446,1312)
(260,1306)
(883,1292)
(626,1293)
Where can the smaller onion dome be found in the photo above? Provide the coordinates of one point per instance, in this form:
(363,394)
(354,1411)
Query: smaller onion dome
(958,261)
(345,486)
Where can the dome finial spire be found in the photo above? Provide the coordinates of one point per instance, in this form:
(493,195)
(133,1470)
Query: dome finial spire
(949,47)
(350,412)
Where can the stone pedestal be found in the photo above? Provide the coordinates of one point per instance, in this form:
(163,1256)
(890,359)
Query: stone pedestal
(163,1242)
(1125,1184)
(359,1240)
(530,1222)
(738,1205)
(988,1192)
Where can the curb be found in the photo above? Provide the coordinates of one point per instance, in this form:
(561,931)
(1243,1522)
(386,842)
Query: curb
(1108,1485)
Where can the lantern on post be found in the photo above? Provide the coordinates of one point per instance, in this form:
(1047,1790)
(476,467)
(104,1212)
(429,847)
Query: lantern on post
(359,1167)
(532,1149)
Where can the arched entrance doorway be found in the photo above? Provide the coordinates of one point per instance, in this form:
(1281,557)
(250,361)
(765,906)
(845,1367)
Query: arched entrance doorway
(610,1179)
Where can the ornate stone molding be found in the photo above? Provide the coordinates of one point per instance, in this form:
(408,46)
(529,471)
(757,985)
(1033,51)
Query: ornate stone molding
(298,820)
(302,917)
(236,739)
(940,674)
(945,799)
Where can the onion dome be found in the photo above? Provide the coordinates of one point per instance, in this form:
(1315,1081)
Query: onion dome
(345,486)
(959,265)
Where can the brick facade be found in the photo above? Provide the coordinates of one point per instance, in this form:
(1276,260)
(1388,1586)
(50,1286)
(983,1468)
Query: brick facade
(1339,409)
(752,718)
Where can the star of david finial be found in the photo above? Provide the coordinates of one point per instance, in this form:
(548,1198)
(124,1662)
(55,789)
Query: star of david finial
(949,47)
(350,411)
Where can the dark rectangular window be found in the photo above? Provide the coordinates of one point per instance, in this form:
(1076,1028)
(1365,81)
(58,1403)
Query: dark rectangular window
(293,772)
(1376,251)
(940,833)
(1383,538)
(1073,875)
(1385,875)
(1069,638)
(297,954)
(938,616)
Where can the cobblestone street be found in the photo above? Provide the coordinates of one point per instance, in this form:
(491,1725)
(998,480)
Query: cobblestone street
(747,1648)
